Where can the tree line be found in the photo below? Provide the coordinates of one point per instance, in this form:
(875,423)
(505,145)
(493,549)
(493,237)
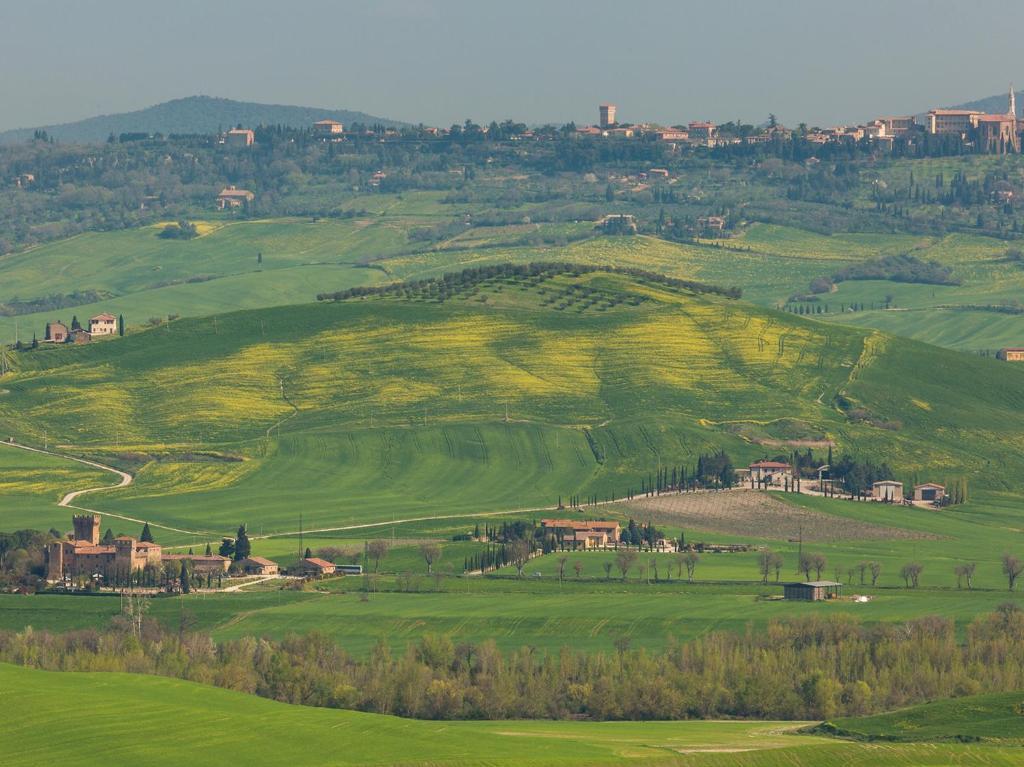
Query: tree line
(810,668)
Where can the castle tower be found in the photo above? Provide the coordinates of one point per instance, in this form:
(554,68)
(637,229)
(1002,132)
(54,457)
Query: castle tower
(606,115)
(1012,111)
(87,528)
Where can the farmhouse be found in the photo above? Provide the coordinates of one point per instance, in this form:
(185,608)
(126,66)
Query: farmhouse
(581,534)
(103,325)
(929,492)
(1011,354)
(312,567)
(328,128)
(770,472)
(812,591)
(233,197)
(618,223)
(259,566)
(56,332)
(887,490)
(239,137)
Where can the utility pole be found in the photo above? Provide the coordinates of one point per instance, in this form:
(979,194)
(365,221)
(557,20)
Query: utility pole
(301,550)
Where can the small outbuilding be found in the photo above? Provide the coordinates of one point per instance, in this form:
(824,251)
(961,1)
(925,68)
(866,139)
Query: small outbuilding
(929,492)
(1011,354)
(259,566)
(313,567)
(812,591)
(888,491)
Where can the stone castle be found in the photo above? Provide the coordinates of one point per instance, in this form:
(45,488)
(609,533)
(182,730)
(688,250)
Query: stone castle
(82,554)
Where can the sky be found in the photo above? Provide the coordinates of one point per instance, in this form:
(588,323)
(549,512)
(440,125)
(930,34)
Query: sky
(441,61)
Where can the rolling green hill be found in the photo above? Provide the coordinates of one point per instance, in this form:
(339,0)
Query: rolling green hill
(506,395)
(157,721)
(982,717)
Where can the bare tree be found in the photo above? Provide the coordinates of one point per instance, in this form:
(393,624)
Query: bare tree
(431,553)
(562,562)
(764,563)
(875,568)
(818,562)
(1012,568)
(805,565)
(910,573)
(861,570)
(519,553)
(377,550)
(964,572)
(777,563)
(624,561)
(691,559)
(608,570)
(577,566)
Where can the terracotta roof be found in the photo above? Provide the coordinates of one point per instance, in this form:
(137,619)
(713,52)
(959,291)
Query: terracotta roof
(930,484)
(91,549)
(104,316)
(327,122)
(995,118)
(317,562)
(147,545)
(888,482)
(231,192)
(1013,349)
(769,465)
(260,561)
(954,112)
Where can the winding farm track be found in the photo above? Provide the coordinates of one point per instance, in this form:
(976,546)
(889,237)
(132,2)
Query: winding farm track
(125,480)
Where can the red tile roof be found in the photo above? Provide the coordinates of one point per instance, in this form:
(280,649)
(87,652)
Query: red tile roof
(317,562)
(260,561)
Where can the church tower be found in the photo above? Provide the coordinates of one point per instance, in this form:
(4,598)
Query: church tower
(1012,111)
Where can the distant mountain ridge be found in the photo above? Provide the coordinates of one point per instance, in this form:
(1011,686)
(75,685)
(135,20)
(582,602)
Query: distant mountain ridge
(995,105)
(193,114)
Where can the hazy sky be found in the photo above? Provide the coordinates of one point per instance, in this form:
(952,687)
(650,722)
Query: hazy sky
(440,61)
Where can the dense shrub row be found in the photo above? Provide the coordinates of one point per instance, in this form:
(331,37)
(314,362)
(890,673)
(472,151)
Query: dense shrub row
(474,275)
(813,668)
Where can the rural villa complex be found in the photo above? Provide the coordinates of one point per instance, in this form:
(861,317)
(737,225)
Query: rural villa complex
(101,325)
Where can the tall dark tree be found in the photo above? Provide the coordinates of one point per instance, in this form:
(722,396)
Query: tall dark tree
(108,537)
(147,536)
(120,325)
(242,546)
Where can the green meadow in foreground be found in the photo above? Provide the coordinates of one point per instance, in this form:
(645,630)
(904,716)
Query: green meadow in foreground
(157,721)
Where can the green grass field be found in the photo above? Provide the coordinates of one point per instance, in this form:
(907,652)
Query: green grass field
(984,717)
(144,276)
(170,721)
(365,411)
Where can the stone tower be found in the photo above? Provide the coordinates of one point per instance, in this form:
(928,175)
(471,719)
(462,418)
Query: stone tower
(87,528)
(1012,111)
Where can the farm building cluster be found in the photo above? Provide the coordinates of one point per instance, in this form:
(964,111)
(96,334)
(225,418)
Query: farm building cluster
(778,475)
(99,326)
(83,554)
(596,534)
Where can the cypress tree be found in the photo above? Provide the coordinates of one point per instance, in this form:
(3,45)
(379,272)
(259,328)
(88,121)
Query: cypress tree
(147,536)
